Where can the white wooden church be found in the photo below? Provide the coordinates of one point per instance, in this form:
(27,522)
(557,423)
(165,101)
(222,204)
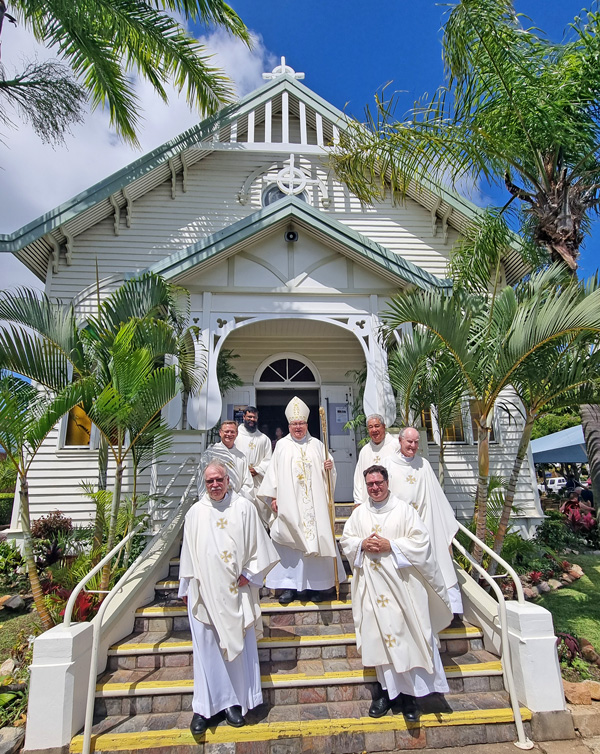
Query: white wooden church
(285,268)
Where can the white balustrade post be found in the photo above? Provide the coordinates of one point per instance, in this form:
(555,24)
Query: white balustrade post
(58,687)
(535,663)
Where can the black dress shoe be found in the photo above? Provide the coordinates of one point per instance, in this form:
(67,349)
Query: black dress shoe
(234,716)
(198,725)
(316,595)
(410,708)
(380,706)
(287,596)
(457,621)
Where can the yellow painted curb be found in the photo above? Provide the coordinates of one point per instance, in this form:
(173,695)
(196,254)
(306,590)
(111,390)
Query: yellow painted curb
(142,688)
(305,728)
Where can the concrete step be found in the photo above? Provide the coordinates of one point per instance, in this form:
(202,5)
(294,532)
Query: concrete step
(322,726)
(169,688)
(156,649)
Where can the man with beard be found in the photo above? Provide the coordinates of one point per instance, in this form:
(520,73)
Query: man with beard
(412,479)
(398,598)
(224,557)
(381,445)
(257,448)
(234,460)
(295,487)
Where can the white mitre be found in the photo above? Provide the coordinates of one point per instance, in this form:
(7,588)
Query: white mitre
(296,410)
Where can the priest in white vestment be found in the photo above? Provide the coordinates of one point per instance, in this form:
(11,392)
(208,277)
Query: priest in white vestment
(236,462)
(399,601)
(412,479)
(258,450)
(295,487)
(381,445)
(224,558)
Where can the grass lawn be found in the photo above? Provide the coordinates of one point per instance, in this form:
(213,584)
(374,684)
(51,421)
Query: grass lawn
(11,624)
(576,608)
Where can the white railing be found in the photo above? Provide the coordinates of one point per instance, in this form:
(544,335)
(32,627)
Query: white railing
(522,741)
(97,621)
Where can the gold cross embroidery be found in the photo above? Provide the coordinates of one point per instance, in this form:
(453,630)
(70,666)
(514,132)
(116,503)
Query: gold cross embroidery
(222,523)
(415,505)
(233,587)
(382,600)
(376,459)
(226,556)
(410,479)
(390,641)
(377,529)
(376,565)
(252,445)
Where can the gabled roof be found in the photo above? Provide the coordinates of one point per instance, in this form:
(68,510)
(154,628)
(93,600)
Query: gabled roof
(215,248)
(37,241)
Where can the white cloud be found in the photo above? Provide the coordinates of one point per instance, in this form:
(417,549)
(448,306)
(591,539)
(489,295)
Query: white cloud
(36,177)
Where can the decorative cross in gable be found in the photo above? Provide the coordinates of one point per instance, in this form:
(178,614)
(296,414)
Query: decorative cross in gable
(282,70)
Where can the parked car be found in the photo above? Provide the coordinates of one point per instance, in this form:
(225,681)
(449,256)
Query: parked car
(555,483)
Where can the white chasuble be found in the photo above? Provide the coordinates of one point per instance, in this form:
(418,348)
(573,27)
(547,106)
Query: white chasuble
(222,540)
(413,480)
(296,478)
(371,454)
(396,609)
(257,449)
(237,468)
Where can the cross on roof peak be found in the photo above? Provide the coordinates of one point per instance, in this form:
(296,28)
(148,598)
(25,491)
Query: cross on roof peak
(281,70)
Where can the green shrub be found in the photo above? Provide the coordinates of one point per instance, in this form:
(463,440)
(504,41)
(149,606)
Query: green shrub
(12,575)
(554,533)
(6,505)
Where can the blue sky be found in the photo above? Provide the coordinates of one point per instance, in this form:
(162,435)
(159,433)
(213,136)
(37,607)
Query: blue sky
(349,49)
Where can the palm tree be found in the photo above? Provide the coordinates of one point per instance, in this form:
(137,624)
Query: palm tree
(104,42)
(27,415)
(516,110)
(491,338)
(117,357)
(561,376)
(424,378)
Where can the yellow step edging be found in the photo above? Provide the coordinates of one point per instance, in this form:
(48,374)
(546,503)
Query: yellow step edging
(293,640)
(156,611)
(286,680)
(305,728)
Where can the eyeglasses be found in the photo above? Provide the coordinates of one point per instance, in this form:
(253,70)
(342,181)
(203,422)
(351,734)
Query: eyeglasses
(298,424)
(376,484)
(216,480)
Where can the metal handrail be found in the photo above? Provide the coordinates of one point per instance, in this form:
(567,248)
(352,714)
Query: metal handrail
(106,559)
(510,571)
(97,625)
(523,741)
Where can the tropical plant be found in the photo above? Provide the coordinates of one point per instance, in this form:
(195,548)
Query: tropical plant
(517,110)
(27,415)
(491,338)
(115,360)
(424,378)
(104,42)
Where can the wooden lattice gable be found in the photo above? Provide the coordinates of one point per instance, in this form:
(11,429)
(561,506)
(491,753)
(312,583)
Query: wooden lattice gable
(284,214)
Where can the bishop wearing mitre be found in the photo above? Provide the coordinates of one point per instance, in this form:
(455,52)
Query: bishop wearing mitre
(295,487)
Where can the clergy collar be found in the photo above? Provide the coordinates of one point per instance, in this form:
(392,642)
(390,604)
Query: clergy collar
(384,507)
(206,499)
(378,445)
